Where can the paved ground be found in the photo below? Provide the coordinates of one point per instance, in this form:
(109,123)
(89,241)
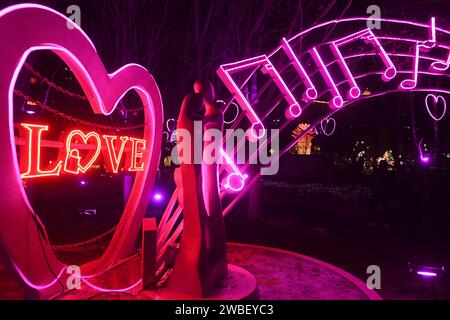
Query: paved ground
(351,244)
(286,276)
(280,276)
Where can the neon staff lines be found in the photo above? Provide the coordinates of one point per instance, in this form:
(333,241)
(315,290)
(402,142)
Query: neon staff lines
(295,105)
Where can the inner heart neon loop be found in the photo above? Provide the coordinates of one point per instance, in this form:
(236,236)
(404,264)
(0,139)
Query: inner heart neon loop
(26,28)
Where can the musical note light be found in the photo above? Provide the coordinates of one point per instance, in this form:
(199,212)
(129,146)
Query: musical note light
(235,181)
(368,37)
(441,66)
(225,71)
(311,92)
(354,91)
(432,30)
(420,46)
(336,101)
(411,83)
(294,108)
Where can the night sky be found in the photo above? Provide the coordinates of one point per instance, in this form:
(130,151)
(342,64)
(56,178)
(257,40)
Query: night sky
(180,40)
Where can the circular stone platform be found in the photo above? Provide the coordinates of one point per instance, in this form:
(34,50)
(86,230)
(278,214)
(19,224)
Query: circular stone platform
(279,274)
(286,275)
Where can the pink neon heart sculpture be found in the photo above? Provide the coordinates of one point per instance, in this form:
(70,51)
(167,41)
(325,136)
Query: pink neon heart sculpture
(25,28)
(435,101)
(324,126)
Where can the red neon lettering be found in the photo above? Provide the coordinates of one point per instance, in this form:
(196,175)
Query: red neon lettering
(136,154)
(32,151)
(79,152)
(112,158)
(73,163)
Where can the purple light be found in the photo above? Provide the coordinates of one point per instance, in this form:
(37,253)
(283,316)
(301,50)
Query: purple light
(427,274)
(83,183)
(30,112)
(157,197)
(425,159)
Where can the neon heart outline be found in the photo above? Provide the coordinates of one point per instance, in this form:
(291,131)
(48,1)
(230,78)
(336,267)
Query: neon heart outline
(328,120)
(435,100)
(30,27)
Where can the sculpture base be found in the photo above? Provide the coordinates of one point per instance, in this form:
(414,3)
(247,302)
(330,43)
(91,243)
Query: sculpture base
(238,285)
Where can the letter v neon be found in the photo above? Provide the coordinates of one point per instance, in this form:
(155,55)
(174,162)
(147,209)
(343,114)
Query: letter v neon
(114,159)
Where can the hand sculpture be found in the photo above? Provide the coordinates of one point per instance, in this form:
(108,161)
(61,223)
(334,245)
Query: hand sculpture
(201,262)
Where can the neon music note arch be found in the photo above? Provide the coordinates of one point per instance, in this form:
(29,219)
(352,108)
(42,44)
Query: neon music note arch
(329,77)
(330,72)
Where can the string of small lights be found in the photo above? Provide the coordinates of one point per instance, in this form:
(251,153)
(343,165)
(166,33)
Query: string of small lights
(84,243)
(60,89)
(53,85)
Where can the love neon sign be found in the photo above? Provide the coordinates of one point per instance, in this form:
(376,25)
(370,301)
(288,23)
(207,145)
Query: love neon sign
(80,150)
(27,28)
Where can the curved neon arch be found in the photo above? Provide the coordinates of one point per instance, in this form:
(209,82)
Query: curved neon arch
(438,67)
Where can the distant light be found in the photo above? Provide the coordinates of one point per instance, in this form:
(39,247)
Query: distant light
(30,112)
(425,159)
(157,197)
(366,92)
(427,274)
(88,212)
(83,183)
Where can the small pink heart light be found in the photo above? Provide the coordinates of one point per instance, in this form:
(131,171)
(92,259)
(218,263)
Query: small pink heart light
(324,126)
(435,101)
